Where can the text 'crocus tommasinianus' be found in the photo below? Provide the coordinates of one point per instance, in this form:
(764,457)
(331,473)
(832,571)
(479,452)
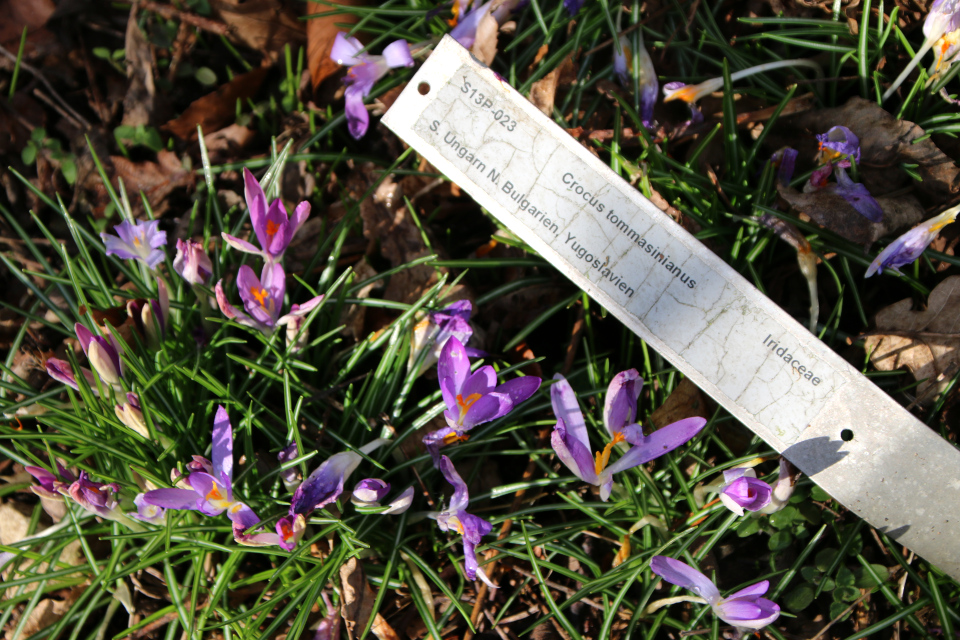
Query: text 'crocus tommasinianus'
(570,441)
(472,398)
(272,226)
(745,609)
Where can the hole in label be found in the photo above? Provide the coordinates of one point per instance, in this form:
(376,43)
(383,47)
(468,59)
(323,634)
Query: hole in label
(846,435)
(423,88)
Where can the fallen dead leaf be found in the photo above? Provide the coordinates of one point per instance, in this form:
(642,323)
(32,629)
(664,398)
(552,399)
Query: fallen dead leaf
(830,210)
(228,142)
(18,14)
(262,25)
(215,110)
(138,103)
(353,316)
(155,179)
(485,46)
(544,92)
(357,604)
(321,32)
(685,401)
(926,342)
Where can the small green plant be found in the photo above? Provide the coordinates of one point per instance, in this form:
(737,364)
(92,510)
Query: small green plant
(53,151)
(139,135)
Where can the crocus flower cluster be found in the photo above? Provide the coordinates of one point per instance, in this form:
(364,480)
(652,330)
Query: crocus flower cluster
(908,247)
(192,263)
(839,148)
(137,241)
(95,497)
(472,398)
(746,609)
(103,353)
(365,70)
(572,445)
(455,518)
(432,332)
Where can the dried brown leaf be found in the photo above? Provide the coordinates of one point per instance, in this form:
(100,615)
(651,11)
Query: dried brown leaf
(138,103)
(262,25)
(927,342)
(685,401)
(215,110)
(830,210)
(357,604)
(155,179)
(18,14)
(544,92)
(485,46)
(321,32)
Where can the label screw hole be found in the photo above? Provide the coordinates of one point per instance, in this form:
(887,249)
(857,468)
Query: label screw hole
(846,435)
(423,88)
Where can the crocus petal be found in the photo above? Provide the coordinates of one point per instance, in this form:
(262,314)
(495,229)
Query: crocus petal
(573,453)
(753,590)
(104,362)
(397,54)
(148,512)
(842,142)
(731,504)
(262,539)
(172,498)
(192,262)
(370,490)
(474,529)
(453,368)
(276,223)
(223,447)
(460,497)
(573,6)
(683,575)
(908,247)
(785,160)
(436,439)
(325,484)
(489,407)
(749,493)
(240,245)
(748,615)
(358,118)
(242,515)
(658,443)
(117,247)
(857,195)
(519,389)
(466,30)
(290,530)
(84,337)
(401,503)
(256,204)
(567,410)
(620,405)
(345,49)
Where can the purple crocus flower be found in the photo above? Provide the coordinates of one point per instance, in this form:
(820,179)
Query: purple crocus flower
(103,352)
(838,146)
(784,161)
(137,241)
(908,247)
(321,487)
(570,441)
(211,489)
(263,299)
(455,518)
(742,490)
(466,30)
(291,475)
(369,492)
(857,195)
(61,371)
(745,609)
(51,486)
(95,497)
(573,6)
(623,65)
(148,512)
(472,398)
(436,328)
(272,226)
(192,262)
(365,70)
(151,317)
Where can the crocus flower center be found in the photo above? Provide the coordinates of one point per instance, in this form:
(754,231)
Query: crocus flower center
(136,242)
(451,438)
(216,498)
(946,42)
(272,228)
(604,457)
(465,404)
(261,296)
(827,154)
(456,14)
(687,94)
(454,522)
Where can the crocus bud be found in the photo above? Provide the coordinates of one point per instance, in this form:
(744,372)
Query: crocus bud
(290,476)
(400,504)
(131,415)
(192,262)
(369,492)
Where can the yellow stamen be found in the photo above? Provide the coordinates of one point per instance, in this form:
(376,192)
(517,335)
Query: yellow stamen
(688,93)
(451,438)
(136,242)
(214,494)
(455,521)
(456,14)
(466,404)
(604,457)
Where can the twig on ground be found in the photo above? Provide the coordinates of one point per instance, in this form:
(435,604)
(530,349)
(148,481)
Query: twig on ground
(36,73)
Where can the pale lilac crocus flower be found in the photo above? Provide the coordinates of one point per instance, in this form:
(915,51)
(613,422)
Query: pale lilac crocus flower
(741,490)
(572,445)
(192,262)
(272,226)
(368,493)
(211,482)
(455,518)
(943,19)
(365,70)
(137,241)
(263,299)
(745,609)
(839,148)
(321,487)
(624,63)
(908,247)
(472,398)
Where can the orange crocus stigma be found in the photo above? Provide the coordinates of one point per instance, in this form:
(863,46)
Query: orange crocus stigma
(688,93)
(272,228)
(260,295)
(451,438)
(604,457)
(466,404)
(455,521)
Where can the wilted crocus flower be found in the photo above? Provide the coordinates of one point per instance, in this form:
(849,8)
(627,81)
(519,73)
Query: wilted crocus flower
(51,485)
(291,475)
(472,398)
(263,299)
(455,518)
(783,488)
(908,247)
(943,19)
(369,492)
(95,497)
(691,93)
(321,487)
(784,161)
(838,146)
(365,70)
(742,490)
(435,329)
(272,226)
(102,352)
(857,195)
(570,441)
(210,490)
(624,62)
(192,262)
(745,609)
(138,241)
